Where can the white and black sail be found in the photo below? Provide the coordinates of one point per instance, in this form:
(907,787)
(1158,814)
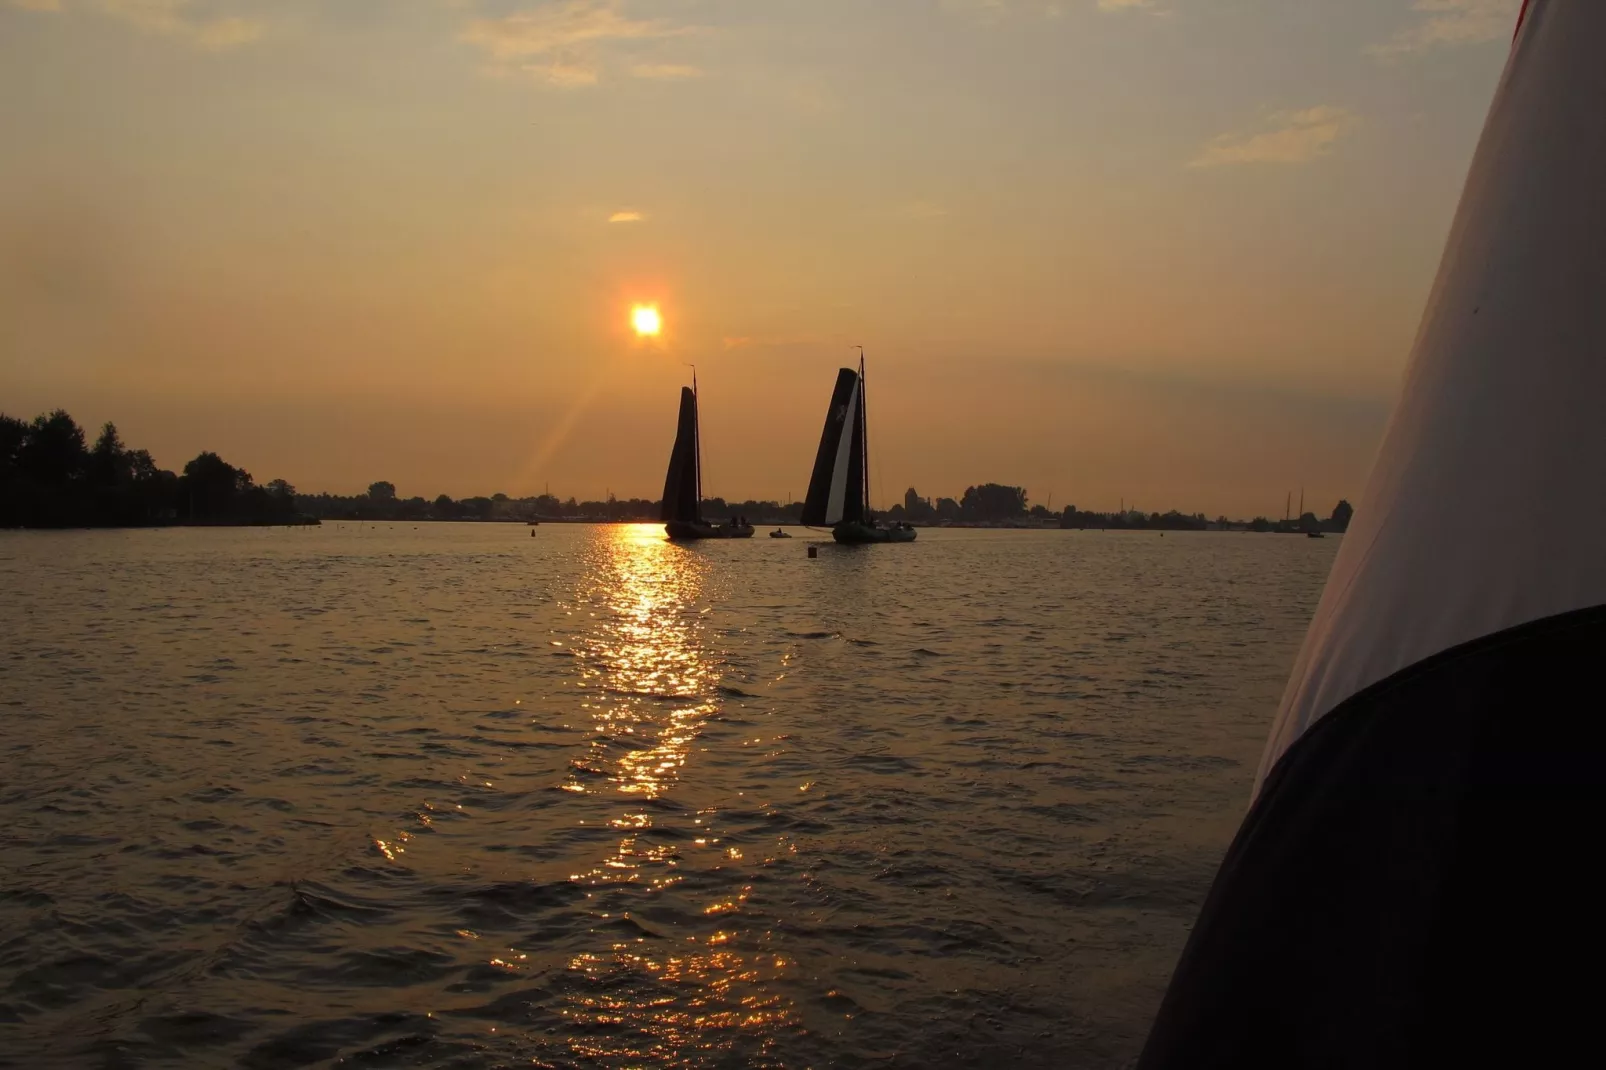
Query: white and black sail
(837,486)
(682,490)
(1414,883)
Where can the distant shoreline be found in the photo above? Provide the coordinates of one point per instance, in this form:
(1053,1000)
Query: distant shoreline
(312,522)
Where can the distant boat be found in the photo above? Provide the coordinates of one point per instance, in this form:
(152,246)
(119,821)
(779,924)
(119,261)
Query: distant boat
(1314,535)
(683,485)
(779,534)
(839,490)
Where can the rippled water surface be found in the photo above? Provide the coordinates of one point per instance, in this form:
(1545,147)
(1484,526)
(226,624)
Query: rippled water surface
(456,796)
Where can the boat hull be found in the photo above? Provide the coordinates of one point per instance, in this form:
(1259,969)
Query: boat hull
(692,530)
(852,533)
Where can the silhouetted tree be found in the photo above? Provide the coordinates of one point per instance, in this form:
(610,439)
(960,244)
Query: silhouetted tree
(212,487)
(142,467)
(108,460)
(53,452)
(993,501)
(48,479)
(382,491)
(12,433)
(1343,512)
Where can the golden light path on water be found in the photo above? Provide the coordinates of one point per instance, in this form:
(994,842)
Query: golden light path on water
(653,684)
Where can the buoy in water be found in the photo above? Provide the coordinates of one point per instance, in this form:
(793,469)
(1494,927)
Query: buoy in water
(814,551)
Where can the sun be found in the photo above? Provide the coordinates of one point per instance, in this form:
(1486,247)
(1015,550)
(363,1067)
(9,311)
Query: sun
(646,320)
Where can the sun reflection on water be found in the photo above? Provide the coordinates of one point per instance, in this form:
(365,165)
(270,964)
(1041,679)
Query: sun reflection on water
(652,683)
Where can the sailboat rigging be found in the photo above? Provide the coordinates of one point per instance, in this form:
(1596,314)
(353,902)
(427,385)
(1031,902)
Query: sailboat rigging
(682,509)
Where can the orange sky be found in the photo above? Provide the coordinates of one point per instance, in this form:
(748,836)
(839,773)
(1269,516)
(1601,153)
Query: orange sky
(1172,252)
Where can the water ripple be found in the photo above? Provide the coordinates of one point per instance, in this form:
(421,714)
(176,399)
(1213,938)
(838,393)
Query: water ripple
(443,796)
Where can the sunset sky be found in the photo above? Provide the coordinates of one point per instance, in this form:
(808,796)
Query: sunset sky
(1170,251)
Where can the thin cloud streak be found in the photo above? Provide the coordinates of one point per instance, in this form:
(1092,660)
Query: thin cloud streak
(1291,137)
(626,216)
(665,71)
(182,20)
(1451,24)
(563,44)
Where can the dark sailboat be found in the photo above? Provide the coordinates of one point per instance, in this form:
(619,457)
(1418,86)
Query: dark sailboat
(839,489)
(683,484)
(1414,884)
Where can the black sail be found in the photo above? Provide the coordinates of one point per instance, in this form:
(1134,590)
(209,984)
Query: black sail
(680,484)
(836,489)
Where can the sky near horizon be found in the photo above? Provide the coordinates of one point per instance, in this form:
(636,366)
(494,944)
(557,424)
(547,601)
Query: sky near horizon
(1167,251)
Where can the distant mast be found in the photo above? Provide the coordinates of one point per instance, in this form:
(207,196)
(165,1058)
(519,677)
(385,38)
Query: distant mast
(697,441)
(864,434)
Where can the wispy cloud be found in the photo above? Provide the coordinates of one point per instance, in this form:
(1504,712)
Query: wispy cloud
(666,71)
(563,43)
(1123,5)
(186,20)
(626,216)
(1451,23)
(1288,137)
(992,12)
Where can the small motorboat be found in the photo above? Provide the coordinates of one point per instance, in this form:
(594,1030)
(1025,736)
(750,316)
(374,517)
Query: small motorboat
(779,534)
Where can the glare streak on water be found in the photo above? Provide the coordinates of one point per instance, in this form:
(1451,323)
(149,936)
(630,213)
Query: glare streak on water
(449,795)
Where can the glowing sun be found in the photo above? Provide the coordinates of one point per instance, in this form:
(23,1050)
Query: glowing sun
(646,320)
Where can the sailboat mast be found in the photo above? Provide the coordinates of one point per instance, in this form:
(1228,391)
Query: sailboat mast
(697,442)
(864,434)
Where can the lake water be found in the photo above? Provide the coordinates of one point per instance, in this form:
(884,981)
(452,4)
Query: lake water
(451,795)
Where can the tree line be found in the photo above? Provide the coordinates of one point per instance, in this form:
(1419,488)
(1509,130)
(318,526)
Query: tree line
(50,477)
(996,503)
(382,502)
